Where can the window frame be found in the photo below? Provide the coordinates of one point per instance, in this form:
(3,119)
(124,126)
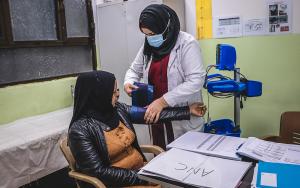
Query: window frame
(61,30)
(2,39)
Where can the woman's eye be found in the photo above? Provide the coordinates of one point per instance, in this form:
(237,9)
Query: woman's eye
(150,34)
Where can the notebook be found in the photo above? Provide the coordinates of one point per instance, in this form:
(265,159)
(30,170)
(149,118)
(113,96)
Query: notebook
(196,169)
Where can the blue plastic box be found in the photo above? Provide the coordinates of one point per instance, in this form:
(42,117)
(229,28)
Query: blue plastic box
(225,57)
(254,88)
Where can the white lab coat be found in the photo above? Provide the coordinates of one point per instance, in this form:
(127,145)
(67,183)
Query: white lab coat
(186,75)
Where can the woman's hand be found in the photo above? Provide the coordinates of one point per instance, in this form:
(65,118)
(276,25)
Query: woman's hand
(128,88)
(197,109)
(154,109)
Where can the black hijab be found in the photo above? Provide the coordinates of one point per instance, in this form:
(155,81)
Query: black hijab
(155,18)
(93,97)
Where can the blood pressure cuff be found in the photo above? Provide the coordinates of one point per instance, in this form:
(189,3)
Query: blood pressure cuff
(137,114)
(143,95)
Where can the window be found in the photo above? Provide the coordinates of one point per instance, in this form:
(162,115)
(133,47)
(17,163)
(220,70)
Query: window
(33,20)
(45,39)
(76,18)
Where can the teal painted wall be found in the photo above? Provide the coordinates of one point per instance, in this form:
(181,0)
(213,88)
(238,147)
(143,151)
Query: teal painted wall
(273,60)
(36,98)
(26,100)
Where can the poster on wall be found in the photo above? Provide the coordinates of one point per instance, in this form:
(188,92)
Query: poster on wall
(224,27)
(279,16)
(255,27)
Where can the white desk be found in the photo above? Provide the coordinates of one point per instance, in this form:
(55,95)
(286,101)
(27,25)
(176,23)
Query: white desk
(29,147)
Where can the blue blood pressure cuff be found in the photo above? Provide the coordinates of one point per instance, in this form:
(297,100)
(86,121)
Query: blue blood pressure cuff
(137,114)
(143,95)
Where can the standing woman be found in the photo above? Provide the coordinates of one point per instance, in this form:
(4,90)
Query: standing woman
(170,60)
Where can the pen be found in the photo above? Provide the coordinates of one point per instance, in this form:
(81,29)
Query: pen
(240,146)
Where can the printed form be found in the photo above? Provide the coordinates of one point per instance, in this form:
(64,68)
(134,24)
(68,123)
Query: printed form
(270,151)
(209,144)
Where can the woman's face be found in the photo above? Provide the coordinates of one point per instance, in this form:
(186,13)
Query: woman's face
(116,94)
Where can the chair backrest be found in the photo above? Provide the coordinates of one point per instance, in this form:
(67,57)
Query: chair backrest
(76,175)
(67,152)
(290,127)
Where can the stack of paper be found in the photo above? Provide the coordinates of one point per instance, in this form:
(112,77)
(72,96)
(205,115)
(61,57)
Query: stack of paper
(209,144)
(196,169)
(270,151)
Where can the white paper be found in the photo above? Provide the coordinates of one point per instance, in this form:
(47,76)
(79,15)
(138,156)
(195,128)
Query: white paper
(270,151)
(255,27)
(198,170)
(209,144)
(279,14)
(268,179)
(254,178)
(224,27)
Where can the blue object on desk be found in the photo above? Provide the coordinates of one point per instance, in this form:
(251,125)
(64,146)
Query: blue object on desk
(285,175)
(143,95)
(222,127)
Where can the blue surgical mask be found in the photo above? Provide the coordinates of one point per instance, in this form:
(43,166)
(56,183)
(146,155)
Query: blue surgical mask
(157,40)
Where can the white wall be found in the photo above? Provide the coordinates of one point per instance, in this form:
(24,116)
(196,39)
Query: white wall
(245,8)
(190,17)
(251,9)
(107,1)
(179,7)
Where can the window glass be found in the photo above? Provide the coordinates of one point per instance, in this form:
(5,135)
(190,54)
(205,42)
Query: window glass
(21,64)
(36,20)
(33,20)
(76,18)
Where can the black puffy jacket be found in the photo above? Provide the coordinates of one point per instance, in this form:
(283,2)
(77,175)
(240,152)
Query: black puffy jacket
(87,144)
